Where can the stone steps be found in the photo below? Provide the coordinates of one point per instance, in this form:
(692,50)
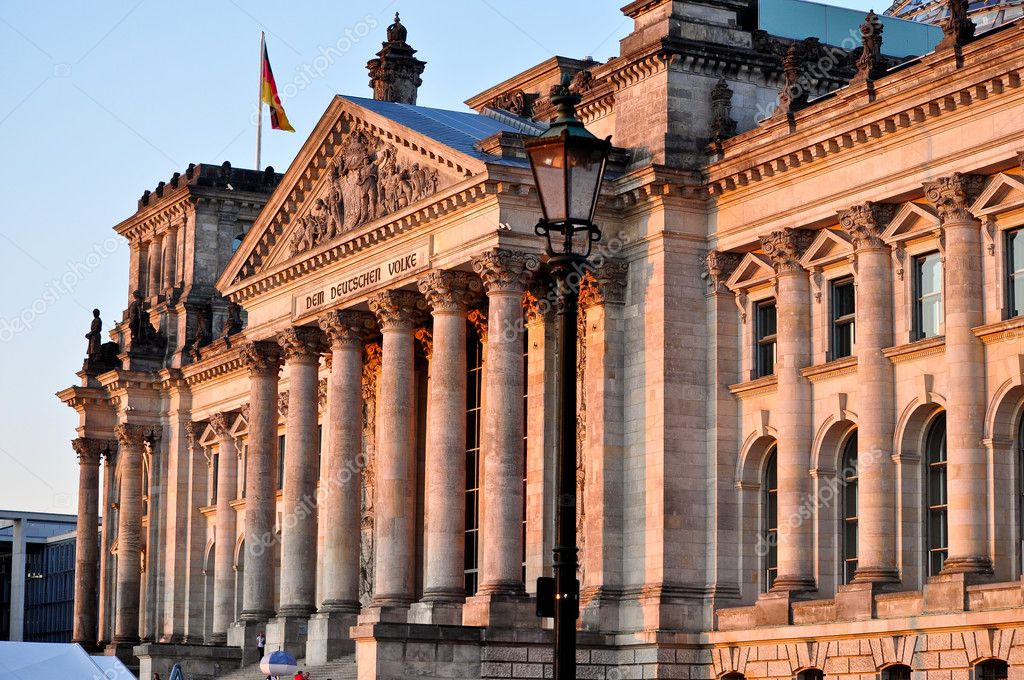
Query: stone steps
(339,669)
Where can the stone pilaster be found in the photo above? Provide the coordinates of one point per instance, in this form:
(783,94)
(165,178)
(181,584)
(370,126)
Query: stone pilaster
(448,294)
(106,586)
(263,361)
(876,493)
(224,538)
(169,266)
(398,313)
(84,630)
(601,299)
(792,410)
(965,370)
(339,501)
(505,274)
(131,438)
(155,262)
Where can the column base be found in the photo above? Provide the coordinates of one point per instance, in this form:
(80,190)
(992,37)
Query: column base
(967,565)
(774,608)
(217,638)
(856,601)
(384,613)
(497,610)
(329,636)
(447,612)
(242,634)
(599,609)
(948,592)
(201,661)
(876,575)
(794,584)
(289,634)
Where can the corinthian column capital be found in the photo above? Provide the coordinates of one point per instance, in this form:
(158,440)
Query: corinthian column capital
(397,309)
(261,357)
(448,291)
(302,343)
(130,434)
(865,222)
(505,271)
(221,424)
(347,329)
(604,284)
(720,266)
(953,195)
(89,449)
(784,248)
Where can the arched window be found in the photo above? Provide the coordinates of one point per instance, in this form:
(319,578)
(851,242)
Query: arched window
(993,669)
(733,676)
(849,477)
(938,528)
(770,532)
(810,674)
(898,672)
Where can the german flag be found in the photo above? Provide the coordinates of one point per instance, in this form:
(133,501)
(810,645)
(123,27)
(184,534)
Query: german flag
(269,96)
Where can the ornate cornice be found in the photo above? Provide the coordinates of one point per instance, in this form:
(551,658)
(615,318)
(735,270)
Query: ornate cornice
(953,195)
(346,328)
(785,247)
(302,343)
(397,309)
(505,271)
(261,357)
(448,292)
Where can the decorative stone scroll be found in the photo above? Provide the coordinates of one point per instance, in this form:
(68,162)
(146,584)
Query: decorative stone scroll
(865,223)
(448,291)
(784,248)
(261,357)
(282,404)
(302,343)
(89,449)
(221,424)
(366,182)
(398,309)
(719,267)
(425,339)
(505,271)
(953,195)
(347,328)
(603,284)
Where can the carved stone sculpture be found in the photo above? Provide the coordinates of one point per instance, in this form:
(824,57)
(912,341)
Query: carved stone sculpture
(957,28)
(722,124)
(869,64)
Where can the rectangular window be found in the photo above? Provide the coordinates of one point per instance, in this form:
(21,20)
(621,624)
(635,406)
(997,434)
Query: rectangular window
(474,390)
(843,319)
(280,462)
(319,451)
(215,471)
(764,330)
(244,476)
(927,296)
(1015,273)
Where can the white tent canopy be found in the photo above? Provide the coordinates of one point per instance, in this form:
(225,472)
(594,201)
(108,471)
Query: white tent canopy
(56,661)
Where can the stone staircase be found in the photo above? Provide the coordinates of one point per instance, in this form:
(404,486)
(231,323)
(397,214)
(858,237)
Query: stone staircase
(339,669)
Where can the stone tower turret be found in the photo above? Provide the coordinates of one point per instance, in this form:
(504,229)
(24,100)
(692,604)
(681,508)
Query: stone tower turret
(395,73)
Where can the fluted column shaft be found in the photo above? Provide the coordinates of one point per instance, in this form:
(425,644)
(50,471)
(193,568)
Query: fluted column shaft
(224,530)
(129,533)
(263,360)
(155,260)
(876,474)
(170,252)
(447,293)
(505,274)
(792,410)
(302,348)
(965,369)
(339,489)
(395,467)
(87,540)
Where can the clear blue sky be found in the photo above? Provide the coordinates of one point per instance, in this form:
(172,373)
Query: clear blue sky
(103,100)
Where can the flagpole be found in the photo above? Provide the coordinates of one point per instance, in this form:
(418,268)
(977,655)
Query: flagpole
(259,103)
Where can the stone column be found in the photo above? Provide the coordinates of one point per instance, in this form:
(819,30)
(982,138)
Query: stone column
(155,259)
(302,348)
(448,294)
(224,537)
(505,274)
(84,630)
(792,409)
(398,312)
(263,360)
(339,502)
(131,439)
(105,614)
(967,466)
(876,490)
(167,270)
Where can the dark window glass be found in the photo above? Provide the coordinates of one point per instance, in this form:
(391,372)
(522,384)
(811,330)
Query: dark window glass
(213,478)
(938,529)
(896,673)
(927,295)
(850,507)
(474,388)
(280,461)
(843,319)
(770,531)
(993,669)
(765,334)
(319,450)
(810,674)
(245,469)
(1015,273)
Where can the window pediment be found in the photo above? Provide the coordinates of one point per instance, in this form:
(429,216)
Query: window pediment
(1003,192)
(912,219)
(753,269)
(827,248)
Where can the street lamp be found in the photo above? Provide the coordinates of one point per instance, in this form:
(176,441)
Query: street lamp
(568,165)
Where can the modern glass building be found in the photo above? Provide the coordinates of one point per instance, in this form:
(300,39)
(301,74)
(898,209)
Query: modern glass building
(986,14)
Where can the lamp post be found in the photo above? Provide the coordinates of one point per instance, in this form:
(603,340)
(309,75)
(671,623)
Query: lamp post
(568,165)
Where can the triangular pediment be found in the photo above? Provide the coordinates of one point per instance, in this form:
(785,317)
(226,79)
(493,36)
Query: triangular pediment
(911,219)
(752,270)
(1003,192)
(360,170)
(827,248)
